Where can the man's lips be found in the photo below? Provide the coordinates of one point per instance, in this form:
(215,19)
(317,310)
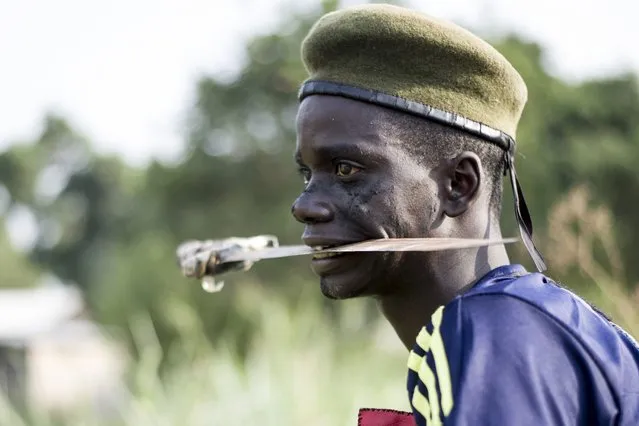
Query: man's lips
(327,244)
(328,255)
(322,242)
(326,263)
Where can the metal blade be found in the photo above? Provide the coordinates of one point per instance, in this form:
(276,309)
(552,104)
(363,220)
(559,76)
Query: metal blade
(210,258)
(269,253)
(399,244)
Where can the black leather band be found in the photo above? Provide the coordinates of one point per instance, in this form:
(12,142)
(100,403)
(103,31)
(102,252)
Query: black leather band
(522,214)
(497,137)
(318,87)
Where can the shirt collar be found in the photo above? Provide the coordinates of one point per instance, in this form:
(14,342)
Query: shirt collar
(511,271)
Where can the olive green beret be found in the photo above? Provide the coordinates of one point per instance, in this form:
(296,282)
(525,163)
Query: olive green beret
(417,58)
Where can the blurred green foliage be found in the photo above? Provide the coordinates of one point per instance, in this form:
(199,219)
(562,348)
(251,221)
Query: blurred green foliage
(298,372)
(112,229)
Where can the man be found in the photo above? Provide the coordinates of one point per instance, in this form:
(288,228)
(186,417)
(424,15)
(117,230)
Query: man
(406,127)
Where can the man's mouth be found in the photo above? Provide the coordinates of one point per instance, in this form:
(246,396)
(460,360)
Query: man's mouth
(327,254)
(331,262)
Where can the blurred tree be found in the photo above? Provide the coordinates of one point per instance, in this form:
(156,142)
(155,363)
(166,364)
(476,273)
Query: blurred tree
(575,134)
(77,199)
(15,269)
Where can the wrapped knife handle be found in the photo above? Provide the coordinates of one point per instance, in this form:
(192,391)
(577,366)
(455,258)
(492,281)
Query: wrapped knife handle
(199,259)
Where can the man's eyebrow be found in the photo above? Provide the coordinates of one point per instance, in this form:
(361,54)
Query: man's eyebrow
(339,150)
(347,149)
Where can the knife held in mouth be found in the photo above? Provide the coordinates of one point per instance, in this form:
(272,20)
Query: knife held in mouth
(208,258)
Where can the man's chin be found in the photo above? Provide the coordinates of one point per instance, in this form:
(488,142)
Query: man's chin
(346,276)
(336,289)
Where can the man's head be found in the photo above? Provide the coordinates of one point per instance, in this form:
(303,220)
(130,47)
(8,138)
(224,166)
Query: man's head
(401,133)
(373,173)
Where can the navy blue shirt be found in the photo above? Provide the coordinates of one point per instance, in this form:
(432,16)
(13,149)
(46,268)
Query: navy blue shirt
(517,349)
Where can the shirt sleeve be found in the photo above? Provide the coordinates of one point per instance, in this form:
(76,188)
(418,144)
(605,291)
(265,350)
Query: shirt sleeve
(497,360)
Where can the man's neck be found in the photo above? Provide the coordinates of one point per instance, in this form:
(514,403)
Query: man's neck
(445,275)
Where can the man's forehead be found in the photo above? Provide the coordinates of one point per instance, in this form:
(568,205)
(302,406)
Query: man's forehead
(320,114)
(332,108)
(333,116)
(332,125)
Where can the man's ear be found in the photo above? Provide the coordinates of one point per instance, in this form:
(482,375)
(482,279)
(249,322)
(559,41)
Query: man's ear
(462,179)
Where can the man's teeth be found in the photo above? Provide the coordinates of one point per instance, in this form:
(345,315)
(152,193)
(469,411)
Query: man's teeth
(317,248)
(325,255)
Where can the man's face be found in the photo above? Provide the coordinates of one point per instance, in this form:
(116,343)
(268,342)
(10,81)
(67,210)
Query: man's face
(360,184)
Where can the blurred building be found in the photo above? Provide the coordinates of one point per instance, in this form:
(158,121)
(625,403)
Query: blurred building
(52,355)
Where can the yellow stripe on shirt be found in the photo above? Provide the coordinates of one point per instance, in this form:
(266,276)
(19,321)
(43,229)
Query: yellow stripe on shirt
(414,361)
(429,406)
(441,363)
(428,379)
(420,403)
(423,339)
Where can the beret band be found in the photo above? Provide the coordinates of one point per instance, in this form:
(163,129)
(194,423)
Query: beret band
(450,119)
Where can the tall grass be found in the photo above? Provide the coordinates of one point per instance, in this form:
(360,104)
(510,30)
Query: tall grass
(298,371)
(581,244)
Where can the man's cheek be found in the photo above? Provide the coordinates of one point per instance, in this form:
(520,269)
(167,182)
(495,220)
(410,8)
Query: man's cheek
(389,212)
(369,199)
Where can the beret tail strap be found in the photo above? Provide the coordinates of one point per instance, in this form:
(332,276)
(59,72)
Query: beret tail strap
(522,213)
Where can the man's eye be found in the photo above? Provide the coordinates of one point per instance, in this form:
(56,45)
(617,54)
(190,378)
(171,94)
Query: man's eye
(346,169)
(306,174)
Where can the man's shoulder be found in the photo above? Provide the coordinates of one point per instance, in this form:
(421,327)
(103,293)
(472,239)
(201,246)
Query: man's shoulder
(545,298)
(526,345)
(530,311)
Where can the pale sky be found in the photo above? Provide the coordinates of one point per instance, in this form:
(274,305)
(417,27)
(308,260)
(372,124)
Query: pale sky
(123,71)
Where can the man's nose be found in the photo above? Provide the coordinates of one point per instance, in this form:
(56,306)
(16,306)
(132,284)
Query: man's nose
(312,208)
